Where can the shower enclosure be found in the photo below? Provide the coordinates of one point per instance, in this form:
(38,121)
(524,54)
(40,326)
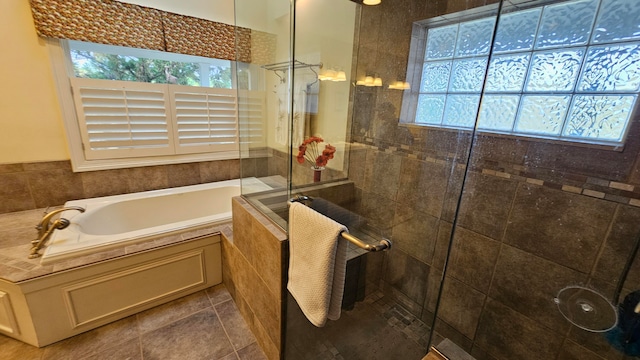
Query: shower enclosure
(495,143)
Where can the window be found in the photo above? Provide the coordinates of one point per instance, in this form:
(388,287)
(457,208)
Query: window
(96,61)
(567,71)
(132,107)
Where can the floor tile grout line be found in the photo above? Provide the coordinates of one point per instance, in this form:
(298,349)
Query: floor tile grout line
(224,328)
(175,320)
(220,302)
(140,347)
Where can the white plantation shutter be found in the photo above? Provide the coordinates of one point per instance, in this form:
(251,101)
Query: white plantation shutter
(120,119)
(206,119)
(251,118)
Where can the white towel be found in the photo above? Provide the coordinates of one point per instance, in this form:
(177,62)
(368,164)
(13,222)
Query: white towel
(317,263)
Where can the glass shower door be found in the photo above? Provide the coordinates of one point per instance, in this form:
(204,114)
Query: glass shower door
(402,182)
(542,262)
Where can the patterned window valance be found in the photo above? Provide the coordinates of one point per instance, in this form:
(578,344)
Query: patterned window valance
(115,23)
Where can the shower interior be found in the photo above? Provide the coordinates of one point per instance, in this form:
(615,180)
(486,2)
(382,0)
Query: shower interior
(488,228)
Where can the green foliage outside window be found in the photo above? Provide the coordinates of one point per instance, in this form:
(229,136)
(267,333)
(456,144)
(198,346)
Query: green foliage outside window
(94,65)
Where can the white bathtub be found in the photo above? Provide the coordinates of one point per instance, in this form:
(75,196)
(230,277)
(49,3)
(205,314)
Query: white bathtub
(114,221)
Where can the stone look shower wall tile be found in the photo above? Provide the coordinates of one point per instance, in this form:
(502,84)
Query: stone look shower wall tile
(442,244)
(11,168)
(104,183)
(407,274)
(377,210)
(423,186)
(385,120)
(528,284)
(52,183)
(446,331)
(257,307)
(611,165)
(507,334)
(415,233)
(50,187)
(480,354)
(215,170)
(594,342)
(267,255)
(47,165)
(442,142)
(486,204)
(357,165)
(461,307)
(618,245)
(147,178)
(508,150)
(183,174)
(14,193)
(254,260)
(573,351)
(454,189)
(381,174)
(242,229)
(569,228)
(472,259)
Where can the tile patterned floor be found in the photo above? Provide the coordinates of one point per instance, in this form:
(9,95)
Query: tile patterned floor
(377,328)
(204,325)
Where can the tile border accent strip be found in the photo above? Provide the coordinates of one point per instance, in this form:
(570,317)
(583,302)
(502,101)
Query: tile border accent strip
(604,189)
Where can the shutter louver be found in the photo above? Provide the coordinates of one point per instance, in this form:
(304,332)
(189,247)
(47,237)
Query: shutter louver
(206,119)
(122,119)
(251,118)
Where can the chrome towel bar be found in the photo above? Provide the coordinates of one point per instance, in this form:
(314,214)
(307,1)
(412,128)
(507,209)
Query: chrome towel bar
(385,244)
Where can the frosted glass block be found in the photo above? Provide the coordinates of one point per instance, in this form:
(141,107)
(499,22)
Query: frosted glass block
(599,117)
(507,72)
(498,112)
(468,75)
(461,110)
(611,68)
(554,70)
(618,20)
(435,76)
(430,109)
(542,114)
(441,42)
(566,24)
(474,37)
(517,31)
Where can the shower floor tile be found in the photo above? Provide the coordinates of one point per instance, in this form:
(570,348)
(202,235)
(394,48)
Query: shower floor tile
(206,324)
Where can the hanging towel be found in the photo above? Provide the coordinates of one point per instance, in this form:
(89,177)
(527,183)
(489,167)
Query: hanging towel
(317,263)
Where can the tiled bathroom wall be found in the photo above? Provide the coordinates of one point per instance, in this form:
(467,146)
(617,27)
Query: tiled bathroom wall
(41,184)
(253,260)
(535,216)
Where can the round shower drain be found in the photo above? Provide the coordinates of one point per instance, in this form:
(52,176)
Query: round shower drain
(586,309)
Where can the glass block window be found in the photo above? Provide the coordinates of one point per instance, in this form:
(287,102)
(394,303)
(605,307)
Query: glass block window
(569,70)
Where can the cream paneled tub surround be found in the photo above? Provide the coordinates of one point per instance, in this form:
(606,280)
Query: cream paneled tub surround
(41,310)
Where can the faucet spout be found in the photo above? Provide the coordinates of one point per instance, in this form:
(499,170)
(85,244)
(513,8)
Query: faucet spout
(45,228)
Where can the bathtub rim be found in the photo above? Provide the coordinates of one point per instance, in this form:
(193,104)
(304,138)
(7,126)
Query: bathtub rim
(56,252)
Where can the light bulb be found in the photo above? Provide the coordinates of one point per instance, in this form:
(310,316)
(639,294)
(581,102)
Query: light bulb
(330,75)
(340,76)
(368,81)
(377,82)
(371,2)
